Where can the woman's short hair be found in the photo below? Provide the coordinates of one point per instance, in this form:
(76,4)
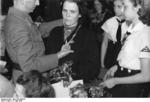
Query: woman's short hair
(144,11)
(35,84)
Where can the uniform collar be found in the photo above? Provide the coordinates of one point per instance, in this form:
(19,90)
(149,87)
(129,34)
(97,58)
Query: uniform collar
(137,27)
(20,14)
(117,18)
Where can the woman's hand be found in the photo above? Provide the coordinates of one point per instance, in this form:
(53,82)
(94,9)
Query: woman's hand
(109,83)
(65,50)
(110,73)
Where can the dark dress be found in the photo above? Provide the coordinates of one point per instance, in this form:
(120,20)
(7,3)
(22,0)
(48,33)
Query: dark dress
(85,57)
(112,52)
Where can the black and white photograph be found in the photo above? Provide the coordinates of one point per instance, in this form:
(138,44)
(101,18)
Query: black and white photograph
(92,50)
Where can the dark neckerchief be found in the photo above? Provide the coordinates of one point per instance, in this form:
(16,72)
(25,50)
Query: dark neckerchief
(120,21)
(125,37)
(119,30)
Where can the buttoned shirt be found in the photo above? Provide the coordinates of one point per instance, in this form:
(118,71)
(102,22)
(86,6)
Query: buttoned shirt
(136,47)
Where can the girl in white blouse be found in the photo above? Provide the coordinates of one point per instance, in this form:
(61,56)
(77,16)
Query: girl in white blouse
(111,45)
(128,77)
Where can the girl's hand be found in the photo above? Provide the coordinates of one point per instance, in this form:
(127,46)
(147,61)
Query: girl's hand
(110,83)
(110,73)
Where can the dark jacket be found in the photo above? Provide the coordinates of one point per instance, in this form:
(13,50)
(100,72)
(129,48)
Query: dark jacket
(85,57)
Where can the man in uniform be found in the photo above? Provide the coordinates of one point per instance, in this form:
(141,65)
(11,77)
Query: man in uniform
(24,42)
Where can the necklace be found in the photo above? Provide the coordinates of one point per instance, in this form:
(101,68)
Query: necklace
(74,33)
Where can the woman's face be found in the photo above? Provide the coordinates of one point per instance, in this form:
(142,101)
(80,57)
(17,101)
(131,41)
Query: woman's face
(70,13)
(98,6)
(130,11)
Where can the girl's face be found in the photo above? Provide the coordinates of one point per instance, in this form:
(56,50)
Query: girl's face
(130,11)
(118,8)
(70,13)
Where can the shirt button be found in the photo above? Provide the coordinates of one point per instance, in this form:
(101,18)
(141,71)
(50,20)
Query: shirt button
(129,71)
(121,69)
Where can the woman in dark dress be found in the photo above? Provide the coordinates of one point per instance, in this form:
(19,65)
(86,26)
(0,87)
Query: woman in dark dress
(85,57)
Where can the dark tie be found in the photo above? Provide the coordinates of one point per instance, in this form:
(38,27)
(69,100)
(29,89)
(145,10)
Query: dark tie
(125,37)
(118,34)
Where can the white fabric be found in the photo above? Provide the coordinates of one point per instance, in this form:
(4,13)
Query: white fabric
(131,52)
(111,26)
(63,92)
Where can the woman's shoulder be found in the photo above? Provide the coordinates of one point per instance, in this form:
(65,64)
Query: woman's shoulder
(86,33)
(86,30)
(55,34)
(146,32)
(111,20)
(143,34)
(57,30)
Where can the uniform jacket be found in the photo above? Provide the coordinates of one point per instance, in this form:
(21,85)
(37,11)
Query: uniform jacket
(24,43)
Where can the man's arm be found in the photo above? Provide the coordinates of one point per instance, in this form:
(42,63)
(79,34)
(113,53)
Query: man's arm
(27,54)
(46,27)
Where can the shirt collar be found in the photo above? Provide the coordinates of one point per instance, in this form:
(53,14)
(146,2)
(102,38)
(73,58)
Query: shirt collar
(20,14)
(137,27)
(116,17)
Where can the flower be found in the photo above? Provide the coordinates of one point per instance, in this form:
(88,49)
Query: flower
(78,91)
(60,73)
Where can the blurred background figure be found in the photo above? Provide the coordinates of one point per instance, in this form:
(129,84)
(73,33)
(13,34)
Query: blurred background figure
(100,14)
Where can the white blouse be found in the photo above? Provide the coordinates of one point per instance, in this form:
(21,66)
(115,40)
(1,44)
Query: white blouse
(136,46)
